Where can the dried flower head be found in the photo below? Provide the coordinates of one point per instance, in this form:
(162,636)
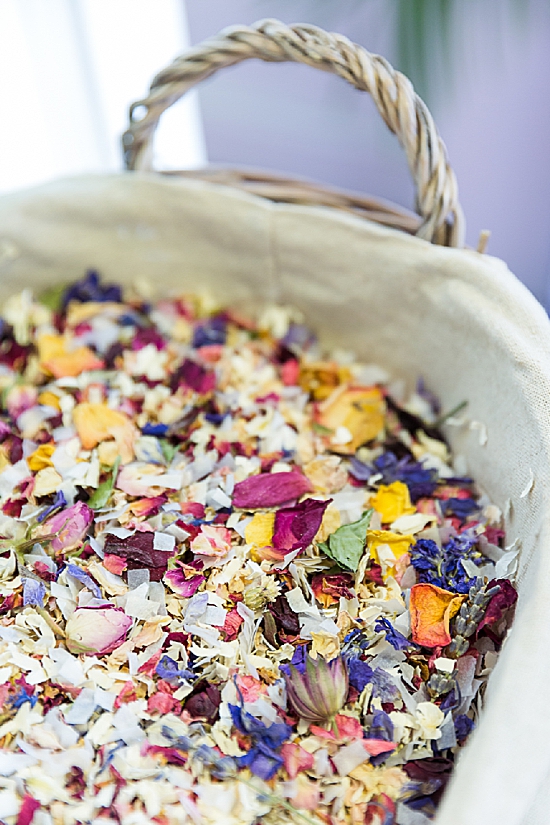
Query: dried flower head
(318,693)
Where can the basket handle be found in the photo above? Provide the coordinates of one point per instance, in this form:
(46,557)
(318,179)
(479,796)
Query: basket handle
(403,111)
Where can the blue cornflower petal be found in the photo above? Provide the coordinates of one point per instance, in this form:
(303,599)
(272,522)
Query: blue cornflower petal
(262,761)
(463,727)
(460,507)
(58,502)
(168,670)
(21,697)
(90,288)
(210,332)
(381,726)
(298,661)
(78,573)
(393,636)
(154,429)
(361,674)
(33,592)
(273,735)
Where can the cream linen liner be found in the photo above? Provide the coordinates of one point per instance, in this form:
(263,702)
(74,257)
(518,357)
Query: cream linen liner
(460,319)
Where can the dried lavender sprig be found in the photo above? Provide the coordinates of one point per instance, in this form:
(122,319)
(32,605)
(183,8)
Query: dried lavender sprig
(469,616)
(439,684)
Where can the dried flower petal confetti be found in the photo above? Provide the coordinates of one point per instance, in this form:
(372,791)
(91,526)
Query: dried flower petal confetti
(270,490)
(236,579)
(431,612)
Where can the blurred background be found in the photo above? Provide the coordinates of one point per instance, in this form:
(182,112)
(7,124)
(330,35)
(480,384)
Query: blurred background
(70,68)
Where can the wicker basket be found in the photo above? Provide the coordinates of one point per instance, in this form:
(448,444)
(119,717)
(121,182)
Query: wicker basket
(441,220)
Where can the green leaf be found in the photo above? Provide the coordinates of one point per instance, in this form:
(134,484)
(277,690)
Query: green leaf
(52,297)
(347,544)
(102,494)
(318,428)
(168,450)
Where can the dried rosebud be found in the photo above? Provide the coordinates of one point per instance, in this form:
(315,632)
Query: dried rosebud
(204,702)
(320,692)
(96,630)
(70,525)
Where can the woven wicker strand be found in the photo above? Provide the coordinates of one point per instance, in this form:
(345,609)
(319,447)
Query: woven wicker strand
(403,111)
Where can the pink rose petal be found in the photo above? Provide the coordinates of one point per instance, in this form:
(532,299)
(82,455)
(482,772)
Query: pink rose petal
(377,746)
(296,759)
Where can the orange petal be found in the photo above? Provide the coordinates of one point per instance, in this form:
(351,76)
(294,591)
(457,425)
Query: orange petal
(359,409)
(97,422)
(432,609)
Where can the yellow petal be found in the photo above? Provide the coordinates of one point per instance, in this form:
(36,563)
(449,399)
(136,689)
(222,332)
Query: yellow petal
(56,359)
(330,523)
(107,453)
(50,346)
(46,481)
(320,378)
(259,532)
(97,422)
(4,460)
(49,399)
(398,544)
(360,410)
(41,458)
(79,313)
(432,609)
(392,501)
(325,644)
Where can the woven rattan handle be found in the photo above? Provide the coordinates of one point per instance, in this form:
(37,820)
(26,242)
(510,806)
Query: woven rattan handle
(270,40)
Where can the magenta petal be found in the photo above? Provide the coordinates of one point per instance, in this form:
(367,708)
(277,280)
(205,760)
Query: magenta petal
(270,490)
(193,375)
(296,527)
(182,586)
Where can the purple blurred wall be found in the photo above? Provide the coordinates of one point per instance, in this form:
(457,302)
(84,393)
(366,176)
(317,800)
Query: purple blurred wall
(492,110)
